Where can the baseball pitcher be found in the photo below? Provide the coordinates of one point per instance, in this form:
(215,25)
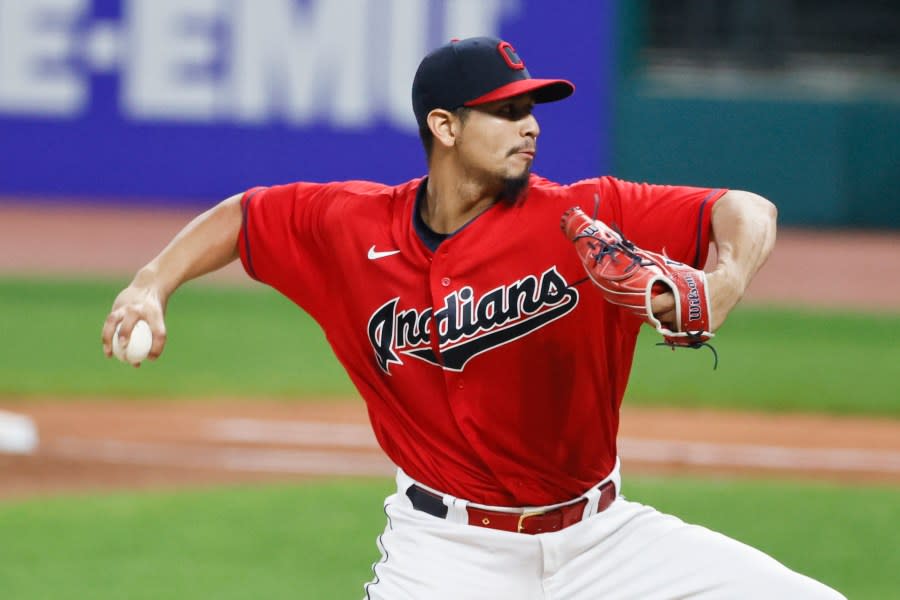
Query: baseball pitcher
(488,318)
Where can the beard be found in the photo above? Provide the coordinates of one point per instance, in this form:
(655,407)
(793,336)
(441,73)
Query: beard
(514,187)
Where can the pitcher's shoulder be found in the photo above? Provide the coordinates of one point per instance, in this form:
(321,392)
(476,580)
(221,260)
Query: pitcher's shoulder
(543,189)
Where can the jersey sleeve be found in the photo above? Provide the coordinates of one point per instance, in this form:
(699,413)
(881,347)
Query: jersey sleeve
(281,239)
(672,219)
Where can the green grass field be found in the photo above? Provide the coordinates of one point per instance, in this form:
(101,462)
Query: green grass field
(252,342)
(318,540)
(279,541)
(222,342)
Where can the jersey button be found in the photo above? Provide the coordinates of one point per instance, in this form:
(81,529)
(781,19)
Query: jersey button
(445,281)
(460,384)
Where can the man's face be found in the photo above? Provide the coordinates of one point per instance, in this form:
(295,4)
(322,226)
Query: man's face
(498,141)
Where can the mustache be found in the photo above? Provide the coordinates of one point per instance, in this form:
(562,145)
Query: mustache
(523,148)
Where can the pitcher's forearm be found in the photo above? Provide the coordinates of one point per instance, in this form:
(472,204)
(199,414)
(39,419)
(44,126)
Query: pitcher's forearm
(744,228)
(207,243)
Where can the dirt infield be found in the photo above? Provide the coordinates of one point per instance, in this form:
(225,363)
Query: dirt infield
(108,445)
(94,446)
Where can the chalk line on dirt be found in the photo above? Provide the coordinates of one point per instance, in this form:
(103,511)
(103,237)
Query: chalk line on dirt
(354,451)
(266,460)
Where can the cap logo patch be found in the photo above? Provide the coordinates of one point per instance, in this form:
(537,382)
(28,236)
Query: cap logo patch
(510,57)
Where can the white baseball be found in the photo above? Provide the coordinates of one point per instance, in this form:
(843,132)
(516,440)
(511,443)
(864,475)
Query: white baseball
(138,345)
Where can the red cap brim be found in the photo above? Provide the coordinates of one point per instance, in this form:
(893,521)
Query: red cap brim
(544,90)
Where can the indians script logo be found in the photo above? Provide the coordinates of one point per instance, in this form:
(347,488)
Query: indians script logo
(468,326)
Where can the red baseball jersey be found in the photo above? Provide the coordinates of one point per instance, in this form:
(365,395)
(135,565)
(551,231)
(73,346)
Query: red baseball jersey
(491,367)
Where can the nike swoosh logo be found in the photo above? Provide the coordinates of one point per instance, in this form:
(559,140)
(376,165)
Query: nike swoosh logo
(373,255)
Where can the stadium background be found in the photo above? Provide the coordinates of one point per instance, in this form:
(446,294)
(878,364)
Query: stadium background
(121,119)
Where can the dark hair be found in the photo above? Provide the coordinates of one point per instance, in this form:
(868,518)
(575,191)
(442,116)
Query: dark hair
(428,138)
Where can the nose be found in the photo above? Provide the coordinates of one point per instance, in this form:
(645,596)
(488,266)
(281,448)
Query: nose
(530,127)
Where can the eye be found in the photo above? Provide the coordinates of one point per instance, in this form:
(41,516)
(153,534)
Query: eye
(513,111)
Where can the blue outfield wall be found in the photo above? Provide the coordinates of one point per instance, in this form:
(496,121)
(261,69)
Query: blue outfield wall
(136,101)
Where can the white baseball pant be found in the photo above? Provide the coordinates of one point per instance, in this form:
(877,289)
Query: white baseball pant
(629,551)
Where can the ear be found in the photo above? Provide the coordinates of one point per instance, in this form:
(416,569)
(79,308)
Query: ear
(444,126)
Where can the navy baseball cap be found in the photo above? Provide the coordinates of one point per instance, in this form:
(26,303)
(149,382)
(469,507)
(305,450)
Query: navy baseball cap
(476,71)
